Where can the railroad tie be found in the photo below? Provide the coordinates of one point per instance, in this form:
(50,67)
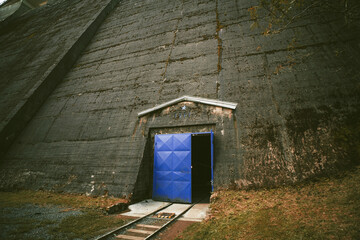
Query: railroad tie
(148,226)
(140,231)
(129,237)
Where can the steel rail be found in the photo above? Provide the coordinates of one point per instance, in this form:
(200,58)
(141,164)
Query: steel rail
(172,220)
(106,235)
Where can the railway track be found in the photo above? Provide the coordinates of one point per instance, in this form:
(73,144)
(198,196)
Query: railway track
(145,227)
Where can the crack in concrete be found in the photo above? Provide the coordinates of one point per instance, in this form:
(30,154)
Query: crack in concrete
(168,60)
(55,117)
(171,49)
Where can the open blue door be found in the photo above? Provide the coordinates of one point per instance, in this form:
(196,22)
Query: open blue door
(172,168)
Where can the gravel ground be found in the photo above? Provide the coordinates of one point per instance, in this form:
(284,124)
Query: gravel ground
(32,221)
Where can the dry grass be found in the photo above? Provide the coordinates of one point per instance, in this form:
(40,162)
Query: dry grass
(86,226)
(13,199)
(326,209)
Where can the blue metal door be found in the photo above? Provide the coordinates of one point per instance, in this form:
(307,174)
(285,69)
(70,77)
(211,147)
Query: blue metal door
(172,168)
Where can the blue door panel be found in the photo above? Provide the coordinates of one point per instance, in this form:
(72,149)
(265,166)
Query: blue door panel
(165,143)
(181,177)
(164,175)
(182,161)
(182,142)
(180,192)
(162,162)
(172,168)
(161,187)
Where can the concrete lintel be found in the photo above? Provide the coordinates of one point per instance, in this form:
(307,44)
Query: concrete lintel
(218,103)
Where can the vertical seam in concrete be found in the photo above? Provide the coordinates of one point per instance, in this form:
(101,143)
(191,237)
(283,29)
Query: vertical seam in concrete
(219,49)
(21,115)
(288,155)
(169,56)
(237,136)
(237,7)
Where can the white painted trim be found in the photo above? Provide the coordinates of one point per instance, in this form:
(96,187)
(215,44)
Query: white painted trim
(230,105)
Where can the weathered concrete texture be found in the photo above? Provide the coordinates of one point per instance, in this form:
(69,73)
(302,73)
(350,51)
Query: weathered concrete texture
(37,50)
(291,95)
(294,90)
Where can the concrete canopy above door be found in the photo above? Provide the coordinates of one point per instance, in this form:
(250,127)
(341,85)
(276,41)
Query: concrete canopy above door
(207,101)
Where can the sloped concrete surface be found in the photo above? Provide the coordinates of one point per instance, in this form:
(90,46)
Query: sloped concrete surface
(36,51)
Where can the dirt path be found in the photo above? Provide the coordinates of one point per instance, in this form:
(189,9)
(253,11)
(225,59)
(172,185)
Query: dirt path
(174,230)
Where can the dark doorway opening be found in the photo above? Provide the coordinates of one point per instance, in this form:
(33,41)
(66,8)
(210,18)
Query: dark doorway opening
(201,167)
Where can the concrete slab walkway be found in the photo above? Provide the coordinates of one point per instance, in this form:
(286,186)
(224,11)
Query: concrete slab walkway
(196,214)
(143,208)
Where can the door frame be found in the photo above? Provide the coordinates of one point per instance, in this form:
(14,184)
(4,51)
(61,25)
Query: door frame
(211,133)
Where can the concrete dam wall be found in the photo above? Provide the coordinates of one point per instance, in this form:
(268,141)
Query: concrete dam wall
(296,93)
